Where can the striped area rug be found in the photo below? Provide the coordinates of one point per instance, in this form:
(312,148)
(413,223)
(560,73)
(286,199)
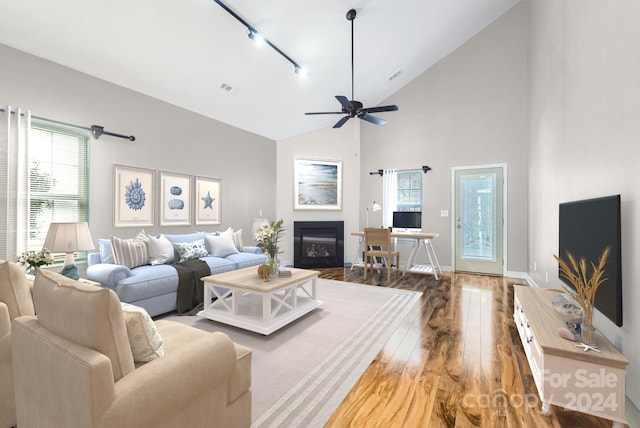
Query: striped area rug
(312,401)
(302,372)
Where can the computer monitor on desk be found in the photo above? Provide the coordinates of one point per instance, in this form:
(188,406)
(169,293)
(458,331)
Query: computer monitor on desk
(407,221)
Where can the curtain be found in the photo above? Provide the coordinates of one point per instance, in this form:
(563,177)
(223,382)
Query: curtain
(14,182)
(389,196)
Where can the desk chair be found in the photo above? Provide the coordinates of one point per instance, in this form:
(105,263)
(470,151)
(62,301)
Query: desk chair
(373,238)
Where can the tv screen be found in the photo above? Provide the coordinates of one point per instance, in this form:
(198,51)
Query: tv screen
(407,219)
(586,228)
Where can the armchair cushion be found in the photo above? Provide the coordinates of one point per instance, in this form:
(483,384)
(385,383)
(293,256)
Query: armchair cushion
(14,290)
(144,338)
(97,322)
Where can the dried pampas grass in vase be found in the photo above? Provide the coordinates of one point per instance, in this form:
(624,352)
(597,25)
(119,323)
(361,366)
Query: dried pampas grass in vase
(585,286)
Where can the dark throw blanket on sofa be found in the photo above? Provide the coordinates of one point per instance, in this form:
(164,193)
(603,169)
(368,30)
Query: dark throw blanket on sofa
(190,288)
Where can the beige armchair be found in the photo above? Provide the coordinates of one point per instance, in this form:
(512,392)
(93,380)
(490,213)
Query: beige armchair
(15,301)
(73,367)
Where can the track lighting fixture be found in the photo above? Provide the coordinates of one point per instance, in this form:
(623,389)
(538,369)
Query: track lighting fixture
(259,38)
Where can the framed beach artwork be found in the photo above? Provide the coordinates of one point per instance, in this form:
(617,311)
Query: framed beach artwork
(175,199)
(133,196)
(317,184)
(207,200)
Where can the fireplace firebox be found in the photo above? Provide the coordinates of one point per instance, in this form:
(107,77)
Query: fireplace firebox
(318,244)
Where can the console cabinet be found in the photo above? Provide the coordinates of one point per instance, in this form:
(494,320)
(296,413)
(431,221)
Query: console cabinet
(566,375)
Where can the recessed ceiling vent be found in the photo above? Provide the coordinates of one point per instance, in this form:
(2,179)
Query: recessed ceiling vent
(226,87)
(396,74)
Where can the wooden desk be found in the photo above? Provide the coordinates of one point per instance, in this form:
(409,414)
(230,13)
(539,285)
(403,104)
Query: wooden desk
(420,240)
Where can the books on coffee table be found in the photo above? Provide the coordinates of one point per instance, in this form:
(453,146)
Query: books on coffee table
(284,273)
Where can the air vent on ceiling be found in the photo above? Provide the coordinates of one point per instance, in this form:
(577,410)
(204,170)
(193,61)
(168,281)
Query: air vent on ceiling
(226,87)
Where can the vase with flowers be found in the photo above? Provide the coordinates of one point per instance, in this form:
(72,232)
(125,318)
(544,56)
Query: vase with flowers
(585,284)
(267,238)
(35,259)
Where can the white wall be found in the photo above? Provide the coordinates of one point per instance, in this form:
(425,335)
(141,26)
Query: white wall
(168,138)
(469,109)
(584,138)
(331,144)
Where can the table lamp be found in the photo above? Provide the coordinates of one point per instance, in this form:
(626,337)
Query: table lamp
(373,207)
(68,238)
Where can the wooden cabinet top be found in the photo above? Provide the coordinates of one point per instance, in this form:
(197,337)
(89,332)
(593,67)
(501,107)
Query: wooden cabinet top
(544,321)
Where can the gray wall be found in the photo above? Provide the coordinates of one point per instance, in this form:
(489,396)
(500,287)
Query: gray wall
(584,133)
(469,109)
(168,138)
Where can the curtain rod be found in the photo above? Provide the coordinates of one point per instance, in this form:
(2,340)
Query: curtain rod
(380,172)
(95,130)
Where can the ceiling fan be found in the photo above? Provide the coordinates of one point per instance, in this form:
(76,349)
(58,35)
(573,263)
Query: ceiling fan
(352,108)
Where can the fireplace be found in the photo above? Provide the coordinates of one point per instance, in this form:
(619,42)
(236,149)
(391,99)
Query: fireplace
(318,244)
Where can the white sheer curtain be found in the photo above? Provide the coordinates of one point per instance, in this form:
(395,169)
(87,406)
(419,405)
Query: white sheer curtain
(14,181)
(389,196)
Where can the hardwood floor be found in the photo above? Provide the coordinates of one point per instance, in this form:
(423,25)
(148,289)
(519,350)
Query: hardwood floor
(459,363)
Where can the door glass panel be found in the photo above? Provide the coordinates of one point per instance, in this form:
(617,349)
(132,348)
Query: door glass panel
(478,217)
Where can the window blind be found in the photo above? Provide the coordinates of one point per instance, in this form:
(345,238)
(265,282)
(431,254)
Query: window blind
(58,179)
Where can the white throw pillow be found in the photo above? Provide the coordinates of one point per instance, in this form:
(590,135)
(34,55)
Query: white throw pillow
(222,245)
(237,238)
(160,250)
(144,339)
(130,253)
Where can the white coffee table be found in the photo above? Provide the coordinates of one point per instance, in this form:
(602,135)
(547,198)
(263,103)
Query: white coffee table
(246,301)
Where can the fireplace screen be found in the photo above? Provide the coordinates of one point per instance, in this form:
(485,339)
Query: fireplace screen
(315,246)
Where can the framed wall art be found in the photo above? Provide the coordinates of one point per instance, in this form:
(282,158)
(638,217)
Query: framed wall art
(207,200)
(133,197)
(175,199)
(317,184)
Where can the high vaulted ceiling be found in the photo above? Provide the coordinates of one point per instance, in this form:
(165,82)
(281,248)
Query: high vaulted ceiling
(183,51)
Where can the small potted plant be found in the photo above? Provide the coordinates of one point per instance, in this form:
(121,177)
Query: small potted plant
(267,237)
(585,284)
(34,259)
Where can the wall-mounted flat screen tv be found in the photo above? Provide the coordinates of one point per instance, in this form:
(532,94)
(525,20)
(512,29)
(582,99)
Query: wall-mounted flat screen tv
(407,219)
(586,228)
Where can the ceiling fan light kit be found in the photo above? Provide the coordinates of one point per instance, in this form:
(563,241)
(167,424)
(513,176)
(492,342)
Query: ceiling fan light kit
(352,108)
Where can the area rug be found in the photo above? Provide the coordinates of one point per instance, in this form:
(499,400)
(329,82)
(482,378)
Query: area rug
(301,373)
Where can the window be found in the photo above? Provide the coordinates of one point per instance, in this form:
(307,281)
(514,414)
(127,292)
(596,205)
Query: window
(58,179)
(409,196)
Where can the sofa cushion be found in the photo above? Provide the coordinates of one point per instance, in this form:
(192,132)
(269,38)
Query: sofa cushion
(85,314)
(144,338)
(106,251)
(160,250)
(243,260)
(183,237)
(221,245)
(130,253)
(191,250)
(14,290)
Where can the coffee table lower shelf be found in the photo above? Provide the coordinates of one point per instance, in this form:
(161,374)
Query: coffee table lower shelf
(261,311)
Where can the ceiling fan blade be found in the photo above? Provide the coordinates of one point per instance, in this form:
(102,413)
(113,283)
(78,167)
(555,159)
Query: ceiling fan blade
(380,109)
(325,112)
(345,102)
(373,119)
(342,122)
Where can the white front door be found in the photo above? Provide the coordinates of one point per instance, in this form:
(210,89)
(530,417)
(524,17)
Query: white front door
(479,220)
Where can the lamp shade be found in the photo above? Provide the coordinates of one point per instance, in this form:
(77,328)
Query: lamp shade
(258,223)
(375,207)
(68,238)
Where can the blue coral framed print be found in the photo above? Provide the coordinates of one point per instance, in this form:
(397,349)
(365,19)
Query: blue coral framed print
(317,184)
(207,200)
(175,199)
(134,197)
